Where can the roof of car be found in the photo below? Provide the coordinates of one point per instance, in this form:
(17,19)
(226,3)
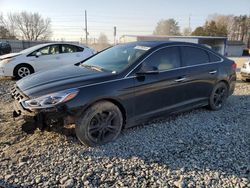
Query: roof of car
(157,43)
(51,43)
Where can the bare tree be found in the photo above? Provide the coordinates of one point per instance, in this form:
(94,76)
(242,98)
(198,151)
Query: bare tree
(5,23)
(238,27)
(167,27)
(223,23)
(103,39)
(29,26)
(5,34)
(102,42)
(187,31)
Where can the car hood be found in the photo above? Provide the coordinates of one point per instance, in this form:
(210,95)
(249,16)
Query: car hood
(7,56)
(42,83)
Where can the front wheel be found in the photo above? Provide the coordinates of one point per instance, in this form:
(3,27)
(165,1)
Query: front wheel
(218,96)
(22,71)
(99,124)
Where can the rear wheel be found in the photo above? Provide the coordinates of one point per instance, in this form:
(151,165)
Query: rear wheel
(218,96)
(23,70)
(99,124)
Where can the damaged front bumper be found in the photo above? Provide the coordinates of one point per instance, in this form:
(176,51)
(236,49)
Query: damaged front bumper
(42,117)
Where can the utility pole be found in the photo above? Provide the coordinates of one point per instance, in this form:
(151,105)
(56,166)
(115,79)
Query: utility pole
(86,28)
(114,35)
(189,23)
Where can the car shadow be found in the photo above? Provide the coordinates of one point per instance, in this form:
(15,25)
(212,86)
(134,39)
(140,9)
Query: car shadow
(217,144)
(181,141)
(28,127)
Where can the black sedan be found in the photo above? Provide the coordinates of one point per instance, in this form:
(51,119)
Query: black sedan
(124,85)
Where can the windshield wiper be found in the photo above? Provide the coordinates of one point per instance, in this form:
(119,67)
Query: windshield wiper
(100,69)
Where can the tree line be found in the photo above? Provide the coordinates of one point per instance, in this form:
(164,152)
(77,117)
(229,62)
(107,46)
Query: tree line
(24,25)
(234,27)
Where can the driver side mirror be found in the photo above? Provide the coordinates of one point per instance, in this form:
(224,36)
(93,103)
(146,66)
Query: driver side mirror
(38,54)
(147,69)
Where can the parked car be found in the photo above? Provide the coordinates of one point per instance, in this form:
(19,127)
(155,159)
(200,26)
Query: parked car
(5,48)
(42,57)
(126,85)
(245,71)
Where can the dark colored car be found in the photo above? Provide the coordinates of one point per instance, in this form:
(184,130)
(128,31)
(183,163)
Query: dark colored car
(125,85)
(5,48)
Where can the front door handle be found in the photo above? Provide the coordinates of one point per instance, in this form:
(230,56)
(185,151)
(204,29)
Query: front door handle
(180,79)
(213,72)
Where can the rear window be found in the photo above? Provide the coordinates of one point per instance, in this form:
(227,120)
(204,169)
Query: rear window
(67,48)
(213,57)
(194,56)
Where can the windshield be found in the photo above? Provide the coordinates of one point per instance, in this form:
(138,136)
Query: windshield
(117,58)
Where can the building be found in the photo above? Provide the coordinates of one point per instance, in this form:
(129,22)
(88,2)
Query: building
(216,43)
(235,48)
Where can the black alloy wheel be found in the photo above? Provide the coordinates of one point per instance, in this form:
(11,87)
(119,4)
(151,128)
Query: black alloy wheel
(99,124)
(218,96)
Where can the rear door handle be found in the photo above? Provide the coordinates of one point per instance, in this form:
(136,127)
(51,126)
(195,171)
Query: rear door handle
(180,79)
(213,72)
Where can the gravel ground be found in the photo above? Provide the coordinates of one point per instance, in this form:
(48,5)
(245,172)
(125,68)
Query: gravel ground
(199,148)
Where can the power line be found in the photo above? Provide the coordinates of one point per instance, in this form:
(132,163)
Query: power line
(86,27)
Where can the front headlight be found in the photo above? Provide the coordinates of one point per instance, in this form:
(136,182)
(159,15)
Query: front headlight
(48,101)
(7,60)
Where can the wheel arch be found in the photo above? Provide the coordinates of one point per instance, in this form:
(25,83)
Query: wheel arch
(23,64)
(115,102)
(225,82)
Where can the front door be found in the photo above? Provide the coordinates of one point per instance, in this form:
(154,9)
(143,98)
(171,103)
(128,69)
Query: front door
(50,57)
(158,93)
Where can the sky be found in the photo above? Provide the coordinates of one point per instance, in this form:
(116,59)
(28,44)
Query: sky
(131,17)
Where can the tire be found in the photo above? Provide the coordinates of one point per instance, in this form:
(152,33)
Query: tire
(218,96)
(23,70)
(99,124)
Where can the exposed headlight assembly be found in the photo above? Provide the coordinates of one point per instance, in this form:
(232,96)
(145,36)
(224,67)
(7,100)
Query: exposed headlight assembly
(51,100)
(7,60)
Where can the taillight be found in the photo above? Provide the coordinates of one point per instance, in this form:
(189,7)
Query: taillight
(234,66)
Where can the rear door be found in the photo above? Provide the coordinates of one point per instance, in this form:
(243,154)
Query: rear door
(49,58)
(72,54)
(156,93)
(201,69)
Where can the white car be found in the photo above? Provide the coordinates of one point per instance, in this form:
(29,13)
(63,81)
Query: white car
(245,71)
(42,57)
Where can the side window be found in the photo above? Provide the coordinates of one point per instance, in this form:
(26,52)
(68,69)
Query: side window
(213,57)
(165,59)
(66,48)
(48,50)
(194,56)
